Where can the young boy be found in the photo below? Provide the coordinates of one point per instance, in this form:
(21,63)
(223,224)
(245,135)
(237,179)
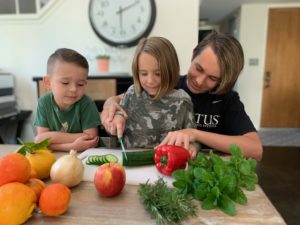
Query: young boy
(65,114)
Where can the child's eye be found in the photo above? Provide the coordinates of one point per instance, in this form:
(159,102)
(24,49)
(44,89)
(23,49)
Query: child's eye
(80,85)
(157,74)
(143,73)
(65,83)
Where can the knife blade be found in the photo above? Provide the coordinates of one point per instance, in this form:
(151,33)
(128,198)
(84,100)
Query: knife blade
(122,146)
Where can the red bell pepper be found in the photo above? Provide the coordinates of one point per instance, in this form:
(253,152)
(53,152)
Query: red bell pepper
(169,158)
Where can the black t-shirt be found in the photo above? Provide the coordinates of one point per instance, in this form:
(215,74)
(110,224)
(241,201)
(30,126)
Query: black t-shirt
(222,114)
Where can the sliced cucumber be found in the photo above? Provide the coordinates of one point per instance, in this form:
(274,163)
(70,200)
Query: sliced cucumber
(110,158)
(101,159)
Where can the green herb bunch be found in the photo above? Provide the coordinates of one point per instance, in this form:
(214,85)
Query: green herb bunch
(165,204)
(218,183)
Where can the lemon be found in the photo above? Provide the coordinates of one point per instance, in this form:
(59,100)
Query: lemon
(41,161)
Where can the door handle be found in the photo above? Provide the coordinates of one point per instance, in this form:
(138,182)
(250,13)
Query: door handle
(267,79)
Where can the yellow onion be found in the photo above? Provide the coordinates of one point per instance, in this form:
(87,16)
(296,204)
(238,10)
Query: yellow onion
(67,170)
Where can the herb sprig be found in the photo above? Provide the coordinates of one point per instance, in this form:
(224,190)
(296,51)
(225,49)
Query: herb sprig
(218,183)
(165,204)
(31,147)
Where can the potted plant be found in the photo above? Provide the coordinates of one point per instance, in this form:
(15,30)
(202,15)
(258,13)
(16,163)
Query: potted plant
(103,62)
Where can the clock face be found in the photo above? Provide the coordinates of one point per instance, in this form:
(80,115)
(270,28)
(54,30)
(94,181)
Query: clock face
(122,23)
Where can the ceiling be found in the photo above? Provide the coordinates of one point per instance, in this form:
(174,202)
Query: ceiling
(214,11)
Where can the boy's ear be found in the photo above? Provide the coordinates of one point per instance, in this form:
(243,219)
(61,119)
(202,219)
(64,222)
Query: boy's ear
(47,82)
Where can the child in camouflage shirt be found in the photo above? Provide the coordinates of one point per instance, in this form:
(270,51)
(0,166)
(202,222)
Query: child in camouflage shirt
(152,104)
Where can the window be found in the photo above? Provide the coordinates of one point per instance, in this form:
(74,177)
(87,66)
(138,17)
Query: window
(9,7)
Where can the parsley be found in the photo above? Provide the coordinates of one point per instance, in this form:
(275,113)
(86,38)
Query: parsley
(218,183)
(165,204)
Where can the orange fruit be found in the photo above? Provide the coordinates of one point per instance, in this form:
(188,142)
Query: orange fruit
(36,185)
(41,161)
(14,167)
(54,199)
(33,173)
(17,203)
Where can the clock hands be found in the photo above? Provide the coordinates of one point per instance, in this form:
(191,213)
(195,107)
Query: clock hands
(121,10)
(121,17)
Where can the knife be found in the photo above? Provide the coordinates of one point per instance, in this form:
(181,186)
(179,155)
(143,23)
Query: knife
(123,148)
(120,140)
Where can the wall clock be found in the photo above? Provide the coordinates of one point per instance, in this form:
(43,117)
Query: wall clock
(122,23)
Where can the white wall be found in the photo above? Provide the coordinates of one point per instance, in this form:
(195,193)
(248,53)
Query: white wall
(26,45)
(253,37)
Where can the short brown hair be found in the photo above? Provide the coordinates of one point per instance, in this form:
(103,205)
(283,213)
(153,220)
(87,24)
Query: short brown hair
(230,56)
(164,52)
(66,55)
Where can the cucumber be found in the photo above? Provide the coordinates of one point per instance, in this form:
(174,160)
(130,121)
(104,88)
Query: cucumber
(138,158)
(101,159)
(93,160)
(110,158)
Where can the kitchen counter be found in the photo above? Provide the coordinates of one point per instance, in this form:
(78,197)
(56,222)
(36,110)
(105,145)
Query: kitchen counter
(87,207)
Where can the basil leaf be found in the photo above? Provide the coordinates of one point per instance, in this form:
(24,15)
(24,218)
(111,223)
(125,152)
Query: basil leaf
(210,202)
(239,196)
(226,205)
(200,191)
(245,168)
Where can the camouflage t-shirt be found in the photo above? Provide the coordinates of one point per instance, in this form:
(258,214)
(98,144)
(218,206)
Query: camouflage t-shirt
(150,121)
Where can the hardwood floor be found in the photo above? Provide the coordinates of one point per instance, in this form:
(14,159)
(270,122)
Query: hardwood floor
(279,177)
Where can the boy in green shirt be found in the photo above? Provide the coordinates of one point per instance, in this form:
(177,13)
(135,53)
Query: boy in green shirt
(66,115)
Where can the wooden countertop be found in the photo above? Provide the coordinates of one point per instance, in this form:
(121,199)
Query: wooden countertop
(87,208)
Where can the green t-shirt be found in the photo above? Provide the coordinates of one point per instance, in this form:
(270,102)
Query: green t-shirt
(77,118)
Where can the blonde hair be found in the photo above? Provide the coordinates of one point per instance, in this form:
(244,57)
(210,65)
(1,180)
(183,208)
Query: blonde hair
(164,52)
(230,56)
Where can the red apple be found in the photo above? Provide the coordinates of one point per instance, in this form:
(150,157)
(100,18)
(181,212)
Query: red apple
(110,179)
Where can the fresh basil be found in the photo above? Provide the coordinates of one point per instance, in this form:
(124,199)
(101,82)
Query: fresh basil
(218,183)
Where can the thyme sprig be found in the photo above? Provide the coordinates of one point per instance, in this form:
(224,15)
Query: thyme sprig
(165,204)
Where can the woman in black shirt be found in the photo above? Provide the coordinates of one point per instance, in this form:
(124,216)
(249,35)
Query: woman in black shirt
(219,114)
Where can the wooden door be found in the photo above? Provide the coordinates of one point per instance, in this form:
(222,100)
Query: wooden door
(281,94)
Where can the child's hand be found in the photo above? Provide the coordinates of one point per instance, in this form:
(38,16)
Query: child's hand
(84,142)
(182,138)
(193,151)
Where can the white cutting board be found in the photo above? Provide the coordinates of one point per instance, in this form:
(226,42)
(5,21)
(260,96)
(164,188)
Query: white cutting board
(134,175)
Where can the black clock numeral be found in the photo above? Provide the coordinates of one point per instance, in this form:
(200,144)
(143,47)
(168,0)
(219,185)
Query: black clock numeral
(104,3)
(104,23)
(142,8)
(100,13)
(133,27)
(122,32)
(139,20)
(113,30)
